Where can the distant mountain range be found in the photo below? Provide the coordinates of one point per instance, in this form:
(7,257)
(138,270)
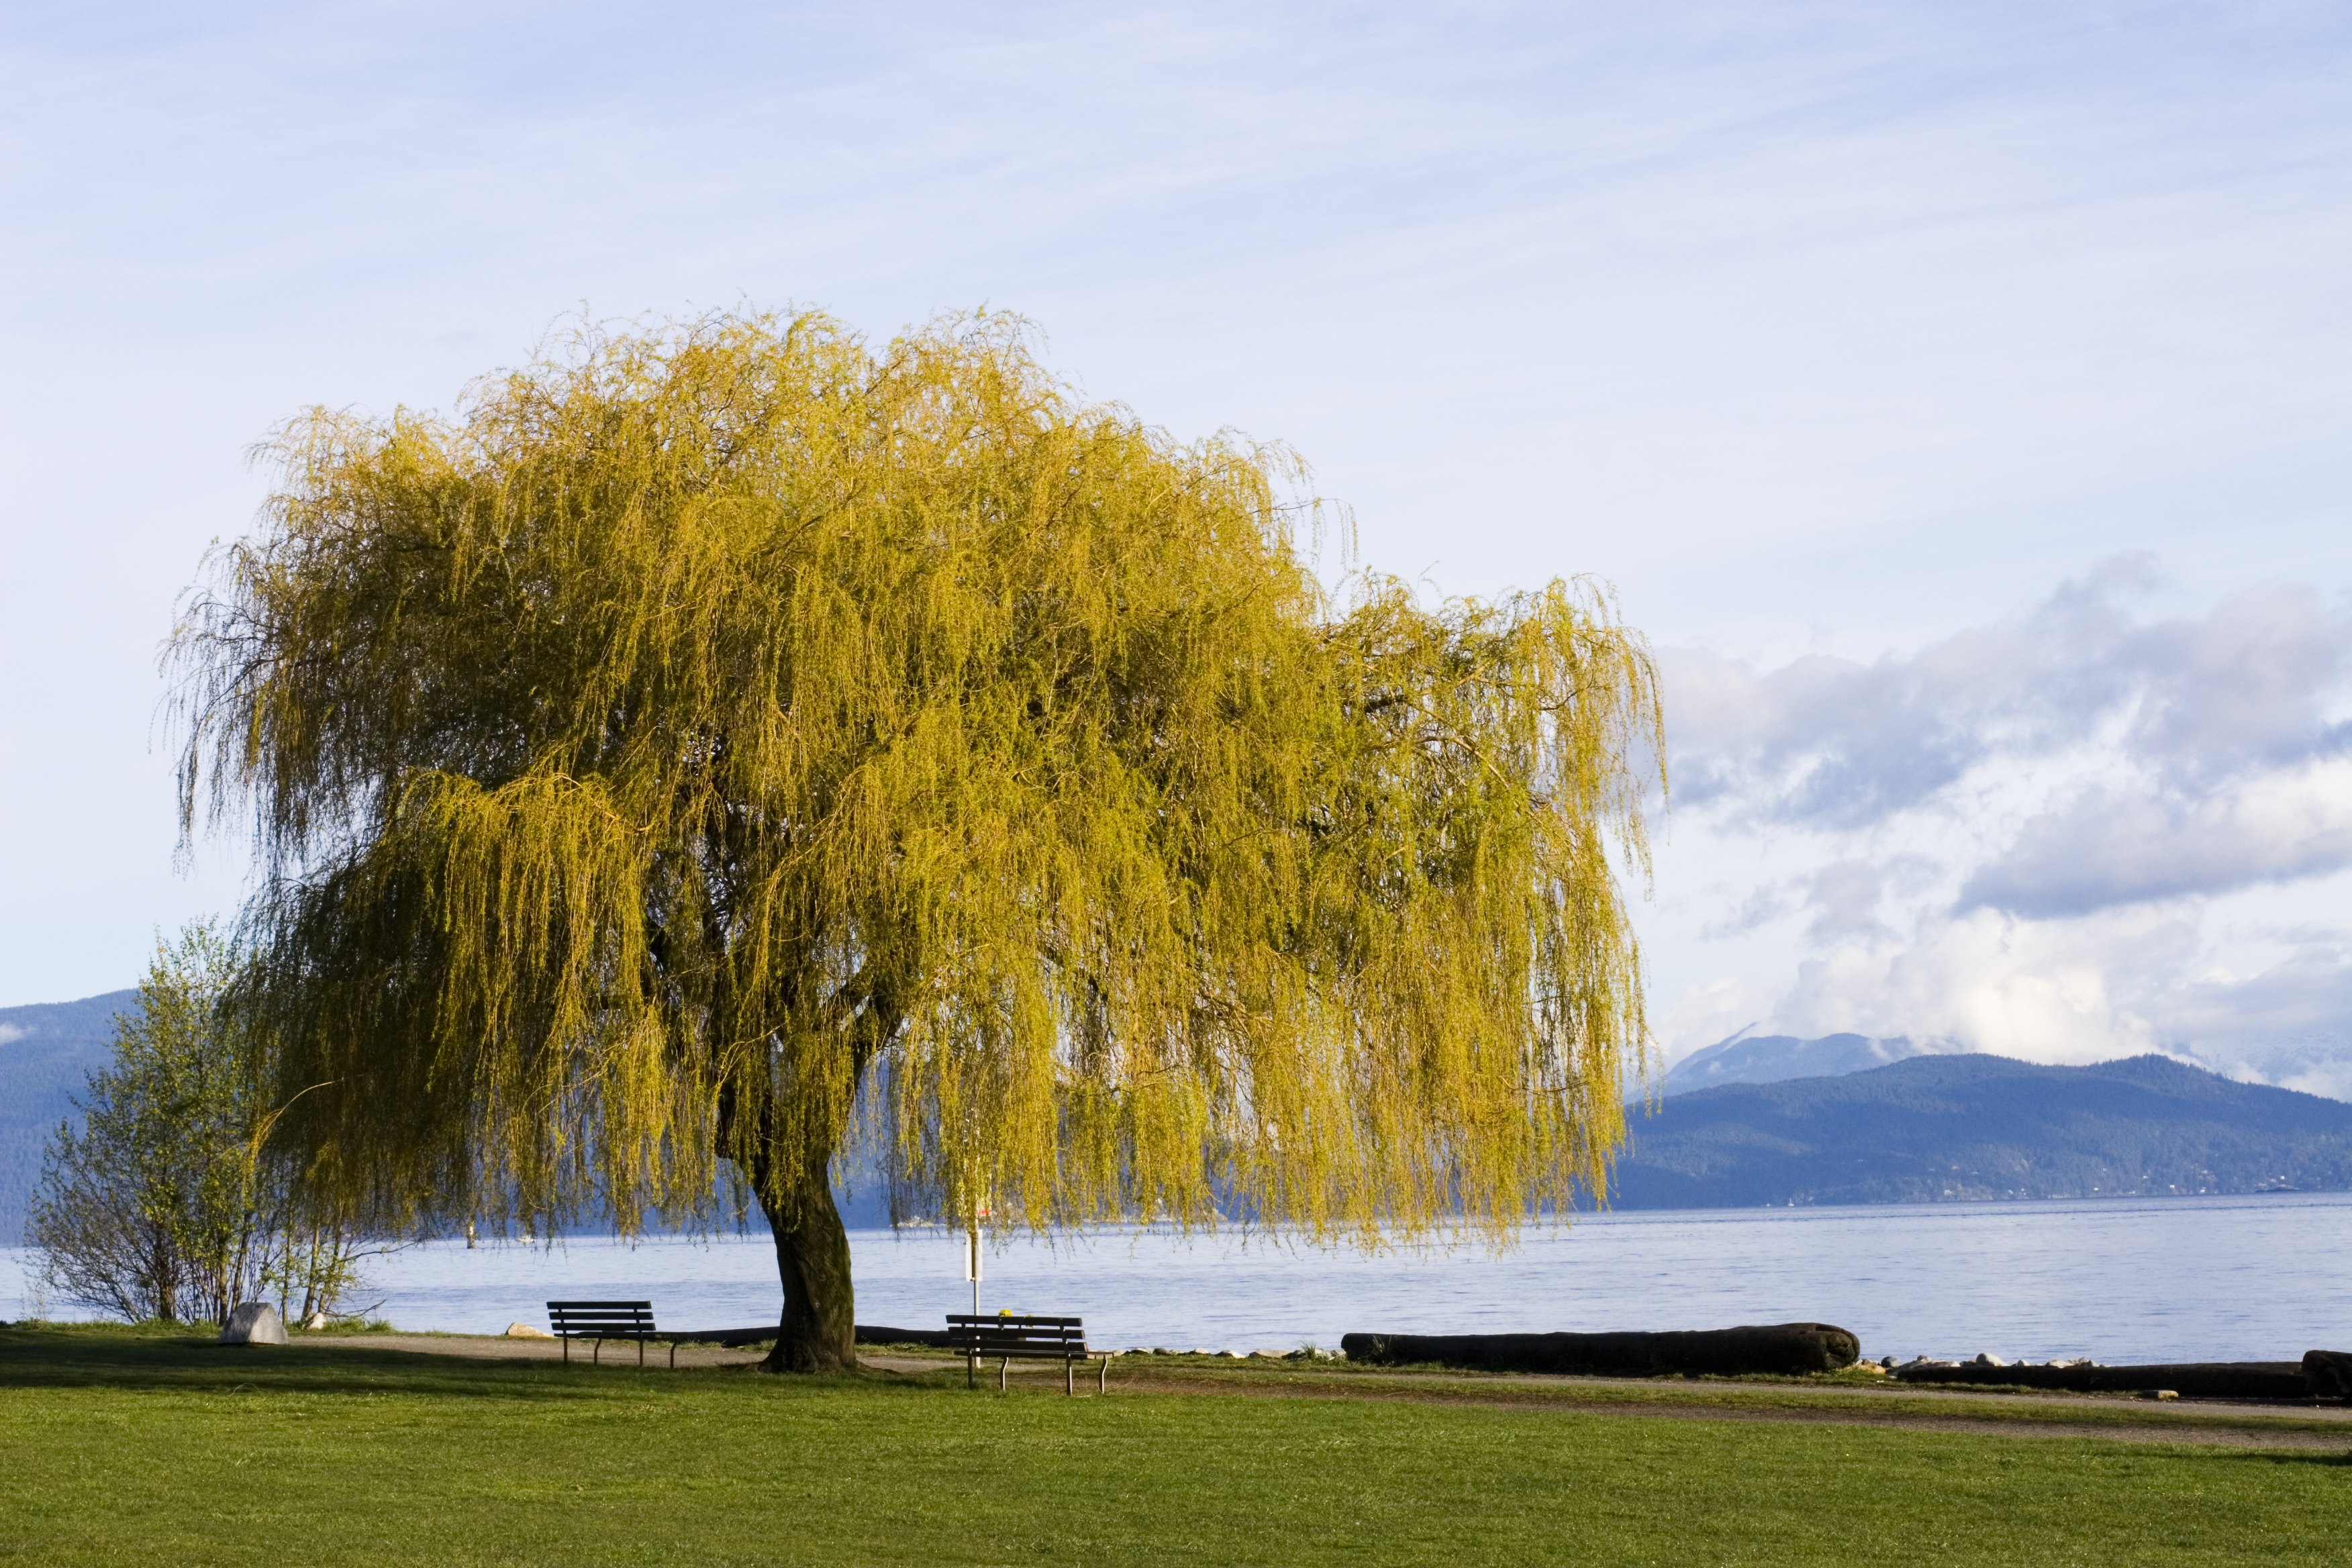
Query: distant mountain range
(1948,1127)
(1769,1120)
(1770,1059)
(47,1053)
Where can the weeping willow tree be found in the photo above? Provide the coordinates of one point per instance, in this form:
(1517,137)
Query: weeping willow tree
(723,740)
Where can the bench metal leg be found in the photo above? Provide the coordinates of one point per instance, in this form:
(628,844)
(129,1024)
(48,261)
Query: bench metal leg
(1002,1368)
(971,1369)
(598,1358)
(1067,1388)
(641,1351)
(1102,1376)
(673,1355)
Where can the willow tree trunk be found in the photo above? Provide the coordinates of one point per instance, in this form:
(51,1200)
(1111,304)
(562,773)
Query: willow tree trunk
(819,1329)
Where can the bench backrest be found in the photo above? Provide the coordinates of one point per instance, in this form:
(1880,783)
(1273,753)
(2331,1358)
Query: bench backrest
(1003,1335)
(590,1319)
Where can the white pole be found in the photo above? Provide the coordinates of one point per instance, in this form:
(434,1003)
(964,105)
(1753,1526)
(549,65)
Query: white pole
(972,1272)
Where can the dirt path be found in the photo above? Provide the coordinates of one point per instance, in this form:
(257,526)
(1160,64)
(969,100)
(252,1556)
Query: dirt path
(497,1347)
(2232,1425)
(2301,1427)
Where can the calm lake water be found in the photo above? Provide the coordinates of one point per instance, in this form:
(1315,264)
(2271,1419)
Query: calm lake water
(2121,1281)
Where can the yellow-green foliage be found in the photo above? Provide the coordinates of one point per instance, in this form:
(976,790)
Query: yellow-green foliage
(723,727)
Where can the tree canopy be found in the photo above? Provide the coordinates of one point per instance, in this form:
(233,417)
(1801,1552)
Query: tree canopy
(723,736)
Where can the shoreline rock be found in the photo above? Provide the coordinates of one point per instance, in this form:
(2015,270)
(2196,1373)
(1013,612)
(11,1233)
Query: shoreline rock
(254,1323)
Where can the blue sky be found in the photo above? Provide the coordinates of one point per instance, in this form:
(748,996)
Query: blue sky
(1956,396)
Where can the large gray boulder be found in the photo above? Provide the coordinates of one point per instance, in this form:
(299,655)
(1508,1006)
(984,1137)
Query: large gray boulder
(254,1323)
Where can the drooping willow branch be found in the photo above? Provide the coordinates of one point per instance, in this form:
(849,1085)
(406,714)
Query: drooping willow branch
(723,725)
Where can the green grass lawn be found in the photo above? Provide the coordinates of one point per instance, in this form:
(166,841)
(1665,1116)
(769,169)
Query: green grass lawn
(121,1448)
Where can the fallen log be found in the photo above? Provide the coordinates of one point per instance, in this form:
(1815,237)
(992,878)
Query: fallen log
(2328,1374)
(2191,1380)
(868,1334)
(1784,1348)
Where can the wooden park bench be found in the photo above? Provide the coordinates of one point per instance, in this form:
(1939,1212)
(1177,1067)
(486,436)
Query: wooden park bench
(1005,1336)
(602,1320)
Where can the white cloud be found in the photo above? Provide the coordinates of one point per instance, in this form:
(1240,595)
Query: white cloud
(1710,1011)
(2281,1018)
(1840,743)
(1762,905)
(1845,743)
(2109,845)
(1776,316)
(2071,991)
(1982,981)
(2069,834)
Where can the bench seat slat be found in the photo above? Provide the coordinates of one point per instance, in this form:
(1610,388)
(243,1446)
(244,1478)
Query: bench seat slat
(612,1320)
(1024,1339)
(601,1303)
(603,1322)
(1017,1338)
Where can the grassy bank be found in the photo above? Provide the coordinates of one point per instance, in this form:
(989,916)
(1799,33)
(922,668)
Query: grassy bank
(121,1448)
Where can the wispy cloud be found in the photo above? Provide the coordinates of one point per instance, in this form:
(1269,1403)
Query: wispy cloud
(2056,834)
(2110,846)
(1840,742)
(1777,316)
(2251,690)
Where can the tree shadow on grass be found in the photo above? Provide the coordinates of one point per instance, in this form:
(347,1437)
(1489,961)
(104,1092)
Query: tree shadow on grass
(2329,1458)
(191,1362)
